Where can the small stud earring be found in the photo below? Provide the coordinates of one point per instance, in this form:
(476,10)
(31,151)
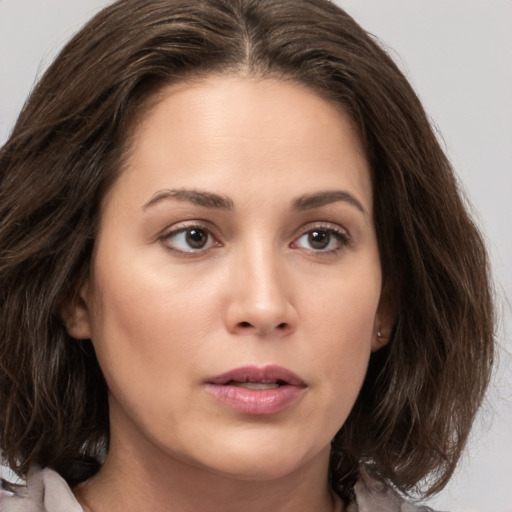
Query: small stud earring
(379,334)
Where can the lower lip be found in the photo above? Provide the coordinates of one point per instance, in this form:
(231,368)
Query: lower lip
(257,401)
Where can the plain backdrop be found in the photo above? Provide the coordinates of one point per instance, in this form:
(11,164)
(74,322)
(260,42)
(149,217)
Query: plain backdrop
(458,56)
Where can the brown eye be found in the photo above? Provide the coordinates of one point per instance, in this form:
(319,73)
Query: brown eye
(196,238)
(189,240)
(319,239)
(322,240)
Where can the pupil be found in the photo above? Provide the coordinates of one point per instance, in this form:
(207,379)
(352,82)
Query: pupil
(196,238)
(319,239)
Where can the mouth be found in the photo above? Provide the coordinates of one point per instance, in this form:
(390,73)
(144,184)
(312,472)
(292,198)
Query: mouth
(257,391)
(271,375)
(257,385)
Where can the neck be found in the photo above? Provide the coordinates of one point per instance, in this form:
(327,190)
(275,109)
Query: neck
(135,480)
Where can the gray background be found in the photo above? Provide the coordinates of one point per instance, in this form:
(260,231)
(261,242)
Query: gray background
(458,55)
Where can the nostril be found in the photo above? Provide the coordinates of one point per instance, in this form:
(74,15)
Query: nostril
(246,325)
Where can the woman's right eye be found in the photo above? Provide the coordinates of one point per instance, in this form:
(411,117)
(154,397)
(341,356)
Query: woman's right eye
(189,239)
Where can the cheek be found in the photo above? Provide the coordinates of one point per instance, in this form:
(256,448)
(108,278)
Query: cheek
(345,306)
(147,325)
(155,330)
(343,325)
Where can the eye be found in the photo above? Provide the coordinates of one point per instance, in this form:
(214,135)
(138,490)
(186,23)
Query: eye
(322,239)
(189,239)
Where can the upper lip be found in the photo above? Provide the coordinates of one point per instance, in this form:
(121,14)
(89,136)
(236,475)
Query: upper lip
(267,374)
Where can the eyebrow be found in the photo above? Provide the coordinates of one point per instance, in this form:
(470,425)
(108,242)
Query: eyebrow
(310,201)
(210,200)
(200,198)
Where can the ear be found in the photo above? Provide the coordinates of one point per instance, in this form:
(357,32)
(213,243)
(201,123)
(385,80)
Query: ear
(384,320)
(75,313)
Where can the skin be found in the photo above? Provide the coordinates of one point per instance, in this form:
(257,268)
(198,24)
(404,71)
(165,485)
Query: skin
(164,316)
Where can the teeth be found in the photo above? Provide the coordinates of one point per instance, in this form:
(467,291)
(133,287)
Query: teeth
(256,385)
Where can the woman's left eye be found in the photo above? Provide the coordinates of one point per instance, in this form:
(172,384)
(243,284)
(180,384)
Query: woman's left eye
(190,239)
(322,240)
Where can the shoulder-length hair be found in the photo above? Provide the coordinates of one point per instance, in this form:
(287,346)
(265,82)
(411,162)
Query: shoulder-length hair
(421,393)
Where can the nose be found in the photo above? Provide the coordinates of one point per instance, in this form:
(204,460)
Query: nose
(260,295)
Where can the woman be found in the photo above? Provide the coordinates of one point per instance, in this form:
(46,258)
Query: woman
(235,271)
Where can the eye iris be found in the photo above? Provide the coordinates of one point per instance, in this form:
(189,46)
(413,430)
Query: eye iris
(319,239)
(196,238)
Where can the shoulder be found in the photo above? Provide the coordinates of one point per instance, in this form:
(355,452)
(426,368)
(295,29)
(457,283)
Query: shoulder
(371,495)
(44,491)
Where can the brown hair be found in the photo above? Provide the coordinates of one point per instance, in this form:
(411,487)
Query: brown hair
(422,390)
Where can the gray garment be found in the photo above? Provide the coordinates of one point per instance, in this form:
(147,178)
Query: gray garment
(46,491)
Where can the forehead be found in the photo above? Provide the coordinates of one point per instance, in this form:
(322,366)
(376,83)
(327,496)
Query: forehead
(230,130)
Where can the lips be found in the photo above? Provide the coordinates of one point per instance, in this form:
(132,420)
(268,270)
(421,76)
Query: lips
(255,390)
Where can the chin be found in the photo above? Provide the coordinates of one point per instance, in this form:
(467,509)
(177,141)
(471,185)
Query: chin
(260,461)
(258,469)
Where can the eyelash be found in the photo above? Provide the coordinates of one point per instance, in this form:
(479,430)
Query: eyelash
(340,235)
(183,229)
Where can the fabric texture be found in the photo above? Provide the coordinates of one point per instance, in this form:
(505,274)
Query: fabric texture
(46,491)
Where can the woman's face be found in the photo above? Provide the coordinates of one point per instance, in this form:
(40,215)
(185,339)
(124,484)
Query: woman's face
(233,300)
